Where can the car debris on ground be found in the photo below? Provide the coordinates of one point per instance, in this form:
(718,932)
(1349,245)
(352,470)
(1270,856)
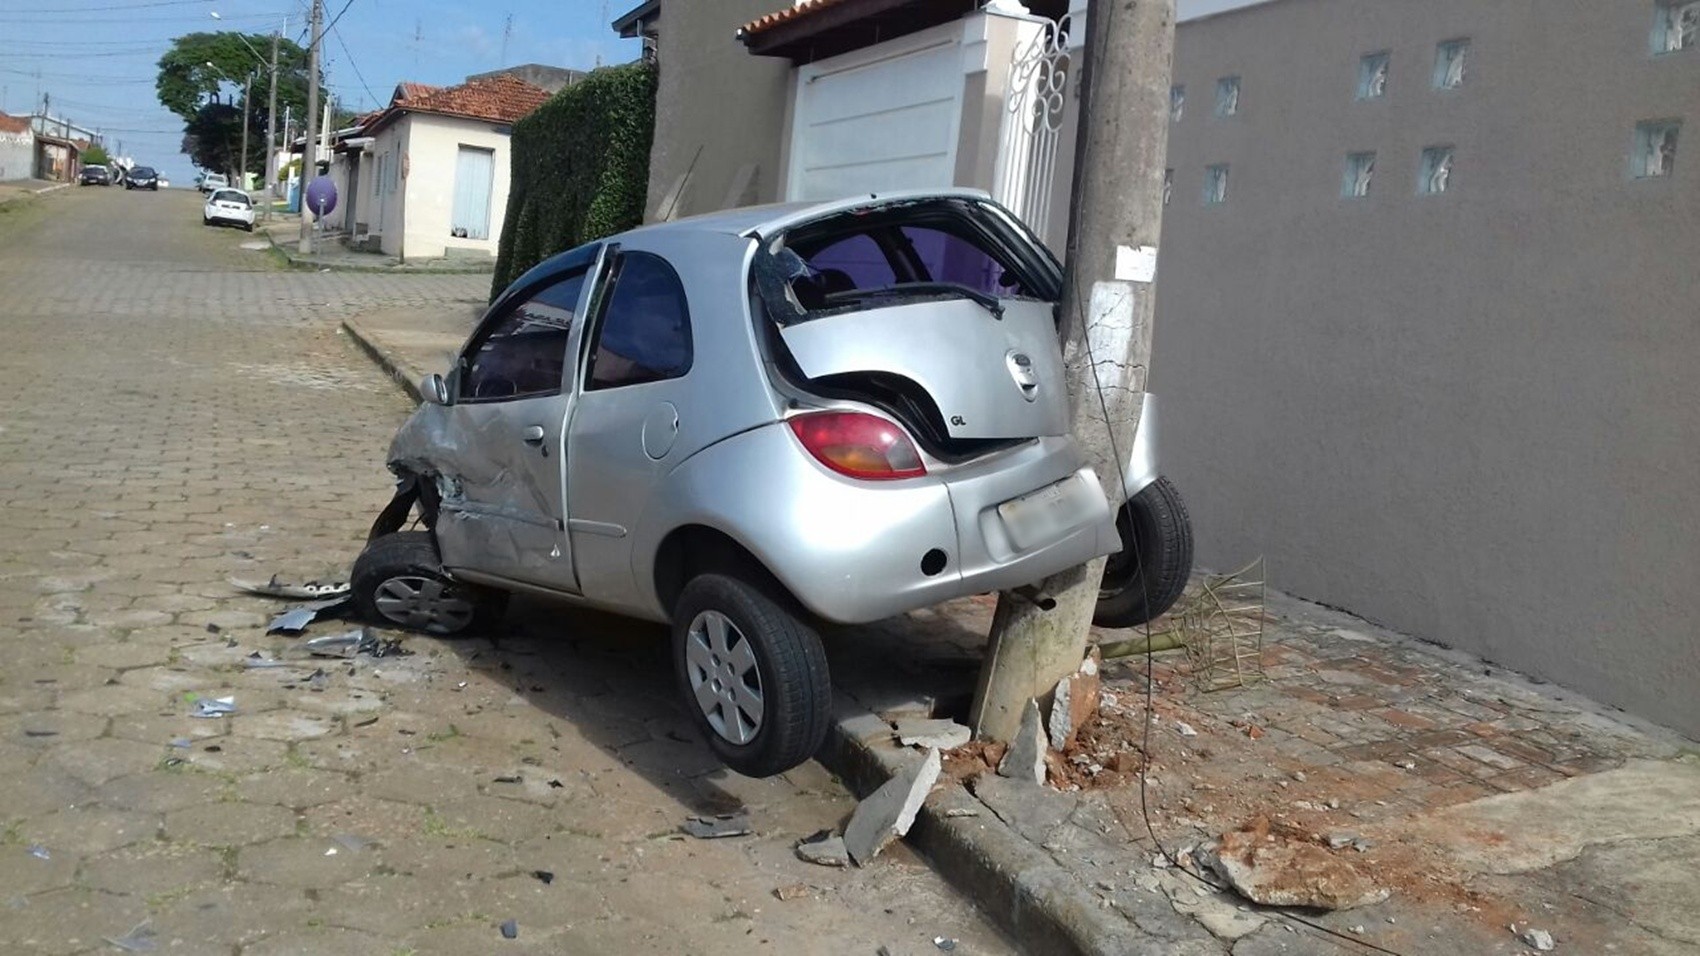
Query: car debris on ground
(140,938)
(212,707)
(510,929)
(717,827)
(294,620)
(275,588)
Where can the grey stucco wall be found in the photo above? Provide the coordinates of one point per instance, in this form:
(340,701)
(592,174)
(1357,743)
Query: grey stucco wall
(717,98)
(17,156)
(1472,416)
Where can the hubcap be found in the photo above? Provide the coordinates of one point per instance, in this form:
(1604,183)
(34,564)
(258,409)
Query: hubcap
(724,678)
(423,604)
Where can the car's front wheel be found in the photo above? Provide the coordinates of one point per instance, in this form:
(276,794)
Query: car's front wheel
(753,673)
(399,581)
(1148,575)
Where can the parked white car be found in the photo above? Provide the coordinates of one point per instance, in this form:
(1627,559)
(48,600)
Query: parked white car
(213,182)
(229,206)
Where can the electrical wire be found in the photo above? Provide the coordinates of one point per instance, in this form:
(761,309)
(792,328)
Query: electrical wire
(352,66)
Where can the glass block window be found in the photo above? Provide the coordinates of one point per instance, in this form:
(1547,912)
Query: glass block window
(1168,185)
(1450,62)
(1177,102)
(1676,26)
(1655,149)
(1434,174)
(1227,96)
(1360,169)
(1216,184)
(1372,75)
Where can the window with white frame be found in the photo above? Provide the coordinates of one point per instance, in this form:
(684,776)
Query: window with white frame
(1216,184)
(1360,169)
(1655,149)
(1450,63)
(1372,75)
(1676,26)
(1227,96)
(1177,102)
(1434,174)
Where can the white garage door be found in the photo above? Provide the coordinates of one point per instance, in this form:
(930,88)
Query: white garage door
(884,123)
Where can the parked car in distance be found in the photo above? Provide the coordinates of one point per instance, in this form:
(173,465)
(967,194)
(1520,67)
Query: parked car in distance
(231,206)
(212,182)
(94,176)
(142,177)
(748,423)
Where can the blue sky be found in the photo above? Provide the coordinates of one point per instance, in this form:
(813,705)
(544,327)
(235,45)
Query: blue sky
(97,58)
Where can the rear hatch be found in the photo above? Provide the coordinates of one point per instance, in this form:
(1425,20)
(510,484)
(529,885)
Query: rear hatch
(938,310)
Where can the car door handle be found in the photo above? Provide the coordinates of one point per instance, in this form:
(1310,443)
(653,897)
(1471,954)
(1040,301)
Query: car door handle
(533,435)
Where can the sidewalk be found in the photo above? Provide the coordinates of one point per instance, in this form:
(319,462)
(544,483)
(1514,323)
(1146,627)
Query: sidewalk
(284,232)
(1493,811)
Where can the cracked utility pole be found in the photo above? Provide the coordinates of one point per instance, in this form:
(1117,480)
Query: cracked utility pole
(310,154)
(1115,216)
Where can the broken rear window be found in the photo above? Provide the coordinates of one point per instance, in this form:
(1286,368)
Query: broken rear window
(938,249)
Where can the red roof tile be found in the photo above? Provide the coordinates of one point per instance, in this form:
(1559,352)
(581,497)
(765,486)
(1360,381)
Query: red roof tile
(772,20)
(407,90)
(498,99)
(13,124)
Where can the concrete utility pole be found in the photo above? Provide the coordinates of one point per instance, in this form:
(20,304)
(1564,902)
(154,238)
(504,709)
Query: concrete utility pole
(310,156)
(1115,216)
(271,132)
(242,165)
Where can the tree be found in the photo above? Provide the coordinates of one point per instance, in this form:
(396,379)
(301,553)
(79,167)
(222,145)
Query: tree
(209,97)
(95,155)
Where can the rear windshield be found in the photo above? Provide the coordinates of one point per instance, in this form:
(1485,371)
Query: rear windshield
(944,248)
(231,195)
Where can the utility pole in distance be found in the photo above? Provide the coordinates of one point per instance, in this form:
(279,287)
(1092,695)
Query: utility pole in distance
(247,107)
(1115,217)
(271,131)
(310,155)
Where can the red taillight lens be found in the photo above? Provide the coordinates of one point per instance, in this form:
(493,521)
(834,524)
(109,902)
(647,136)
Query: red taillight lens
(858,445)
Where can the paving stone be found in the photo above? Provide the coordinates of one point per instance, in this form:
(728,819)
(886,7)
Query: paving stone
(294,787)
(284,725)
(303,863)
(153,869)
(94,762)
(229,824)
(66,921)
(87,830)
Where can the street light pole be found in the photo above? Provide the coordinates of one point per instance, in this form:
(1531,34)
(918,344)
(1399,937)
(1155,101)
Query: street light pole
(271,132)
(247,107)
(310,155)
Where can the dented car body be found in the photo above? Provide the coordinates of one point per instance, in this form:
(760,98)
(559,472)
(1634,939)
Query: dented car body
(849,410)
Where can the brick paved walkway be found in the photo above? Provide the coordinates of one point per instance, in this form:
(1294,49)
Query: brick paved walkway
(176,412)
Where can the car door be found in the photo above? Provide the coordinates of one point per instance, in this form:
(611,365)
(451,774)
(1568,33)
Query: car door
(626,418)
(503,448)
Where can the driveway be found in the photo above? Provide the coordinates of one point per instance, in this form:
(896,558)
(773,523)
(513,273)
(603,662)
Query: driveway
(178,411)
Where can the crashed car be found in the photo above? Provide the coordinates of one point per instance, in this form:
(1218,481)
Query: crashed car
(748,423)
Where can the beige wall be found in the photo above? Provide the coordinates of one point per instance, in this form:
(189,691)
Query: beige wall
(432,150)
(716,105)
(1469,416)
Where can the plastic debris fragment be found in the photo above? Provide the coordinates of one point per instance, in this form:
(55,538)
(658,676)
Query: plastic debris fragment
(40,852)
(716,827)
(510,929)
(294,620)
(140,939)
(280,589)
(213,707)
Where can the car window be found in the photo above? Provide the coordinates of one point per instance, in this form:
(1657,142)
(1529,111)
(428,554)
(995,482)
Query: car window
(889,252)
(945,257)
(645,332)
(231,195)
(853,263)
(523,353)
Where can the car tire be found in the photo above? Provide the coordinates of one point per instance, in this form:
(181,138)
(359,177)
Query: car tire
(205,221)
(728,632)
(399,581)
(1148,576)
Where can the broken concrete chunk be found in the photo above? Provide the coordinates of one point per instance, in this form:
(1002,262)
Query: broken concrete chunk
(1075,701)
(927,732)
(1538,938)
(825,849)
(1278,870)
(889,812)
(716,827)
(793,891)
(1025,758)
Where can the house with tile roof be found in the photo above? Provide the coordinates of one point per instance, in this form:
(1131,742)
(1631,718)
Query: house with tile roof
(427,176)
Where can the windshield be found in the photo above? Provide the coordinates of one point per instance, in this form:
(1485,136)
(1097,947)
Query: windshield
(231,195)
(935,249)
(142,171)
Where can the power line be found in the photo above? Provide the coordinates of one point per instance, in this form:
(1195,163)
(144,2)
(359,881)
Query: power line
(346,4)
(352,66)
(116,6)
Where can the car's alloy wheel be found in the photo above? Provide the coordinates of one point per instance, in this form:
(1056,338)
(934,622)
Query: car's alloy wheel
(721,667)
(399,581)
(752,671)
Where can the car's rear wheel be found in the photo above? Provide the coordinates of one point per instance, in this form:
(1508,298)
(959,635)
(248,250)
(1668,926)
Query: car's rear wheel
(753,673)
(399,581)
(247,227)
(1149,574)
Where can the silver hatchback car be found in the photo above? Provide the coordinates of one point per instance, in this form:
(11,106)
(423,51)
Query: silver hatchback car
(746,423)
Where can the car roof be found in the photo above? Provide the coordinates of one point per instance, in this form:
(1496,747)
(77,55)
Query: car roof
(765,220)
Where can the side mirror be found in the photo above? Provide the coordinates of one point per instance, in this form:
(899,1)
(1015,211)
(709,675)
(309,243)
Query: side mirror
(434,390)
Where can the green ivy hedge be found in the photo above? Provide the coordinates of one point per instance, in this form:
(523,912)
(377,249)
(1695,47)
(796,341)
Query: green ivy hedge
(580,168)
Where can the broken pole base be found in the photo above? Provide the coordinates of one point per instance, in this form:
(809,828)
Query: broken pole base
(1031,649)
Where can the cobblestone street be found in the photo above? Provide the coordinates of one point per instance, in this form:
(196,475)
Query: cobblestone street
(179,410)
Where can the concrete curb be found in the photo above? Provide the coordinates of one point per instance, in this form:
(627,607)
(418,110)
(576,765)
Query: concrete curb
(1036,901)
(405,375)
(48,189)
(295,260)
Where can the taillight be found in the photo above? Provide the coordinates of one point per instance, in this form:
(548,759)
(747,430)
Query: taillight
(859,445)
